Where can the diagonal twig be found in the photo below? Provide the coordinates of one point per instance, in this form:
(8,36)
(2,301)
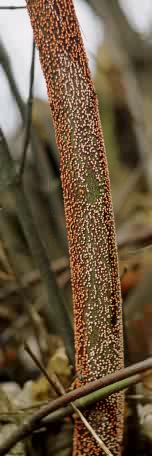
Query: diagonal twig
(52,379)
(92,431)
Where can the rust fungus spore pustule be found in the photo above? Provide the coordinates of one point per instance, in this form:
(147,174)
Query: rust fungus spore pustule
(88,211)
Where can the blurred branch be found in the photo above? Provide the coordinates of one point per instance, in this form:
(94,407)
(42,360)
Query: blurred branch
(42,166)
(6,65)
(34,276)
(138,240)
(84,396)
(13,332)
(12,7)
(7,172)
(110,13)
(27,304)
(28,126)
(121,197)
(137,46)
(57,310)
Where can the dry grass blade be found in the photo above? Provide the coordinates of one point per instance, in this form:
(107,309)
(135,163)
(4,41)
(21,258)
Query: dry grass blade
(29,114)
(92,432)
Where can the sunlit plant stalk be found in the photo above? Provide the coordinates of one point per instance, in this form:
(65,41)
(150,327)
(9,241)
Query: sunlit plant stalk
(88,211)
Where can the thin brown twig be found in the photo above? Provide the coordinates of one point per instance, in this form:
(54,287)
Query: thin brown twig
(52,379)
(39,331)
(92,431)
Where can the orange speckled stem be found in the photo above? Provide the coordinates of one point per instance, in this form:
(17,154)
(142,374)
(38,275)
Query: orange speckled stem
(88,211)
